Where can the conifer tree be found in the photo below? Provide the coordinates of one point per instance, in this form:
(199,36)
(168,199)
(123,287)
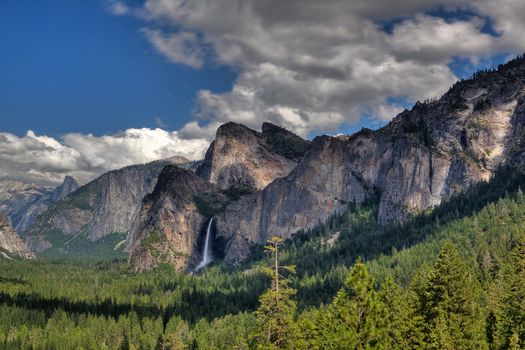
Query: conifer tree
(448,304)
(276,328)
(354,320)
(403,327)
(510,322)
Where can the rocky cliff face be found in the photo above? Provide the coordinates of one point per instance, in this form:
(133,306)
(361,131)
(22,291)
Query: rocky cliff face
(22,203)
(68,186)
(10,243)
(106,205)
(422,157)
(243,157)
(170,222)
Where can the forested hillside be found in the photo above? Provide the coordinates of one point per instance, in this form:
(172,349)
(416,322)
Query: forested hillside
(450,278)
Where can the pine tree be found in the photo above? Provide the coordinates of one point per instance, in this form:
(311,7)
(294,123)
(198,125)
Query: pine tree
(449,306)
(510,322)
(276,328)
(355,318)
(403,327)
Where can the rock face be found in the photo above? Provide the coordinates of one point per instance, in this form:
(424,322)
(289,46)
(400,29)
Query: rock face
(68,186)
(10,243)
(106,205)
(422,157)
(169,224)
(243,157)
(22,203)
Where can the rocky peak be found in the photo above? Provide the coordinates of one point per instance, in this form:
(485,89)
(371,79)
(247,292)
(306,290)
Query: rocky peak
(240,156)
(69,185)
(10,243)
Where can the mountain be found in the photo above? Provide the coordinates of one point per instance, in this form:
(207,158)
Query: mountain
(106,206)
(10,243)
(424,156)
(69,185)
(242,157)
(171,220)
(22,203)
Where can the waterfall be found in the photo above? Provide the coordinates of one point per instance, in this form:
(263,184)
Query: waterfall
(206,255)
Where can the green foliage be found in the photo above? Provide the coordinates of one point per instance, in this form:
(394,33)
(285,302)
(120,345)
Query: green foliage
(449,304)
(235,192)
(355,318)
(451,277)
(403,325)
(80,246)
(509,294)
(276,328)
(209,204)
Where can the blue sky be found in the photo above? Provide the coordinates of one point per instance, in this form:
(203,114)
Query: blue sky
(88,86)
(71,66)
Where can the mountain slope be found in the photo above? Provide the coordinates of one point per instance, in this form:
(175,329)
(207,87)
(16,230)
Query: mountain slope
(107,205)
(11,243)
(22,203)
(422,157)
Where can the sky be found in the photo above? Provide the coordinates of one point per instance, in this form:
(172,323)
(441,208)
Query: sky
(90,86)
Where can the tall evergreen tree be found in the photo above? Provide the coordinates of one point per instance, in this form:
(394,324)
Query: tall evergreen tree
(448,303)
(355,318)
(276,328)
(510,324)
(403,327)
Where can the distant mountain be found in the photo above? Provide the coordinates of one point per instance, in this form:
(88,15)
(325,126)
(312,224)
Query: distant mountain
(10,244)
(101,211)
(22,203)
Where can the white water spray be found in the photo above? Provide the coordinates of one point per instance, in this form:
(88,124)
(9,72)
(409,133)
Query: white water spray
(206,255)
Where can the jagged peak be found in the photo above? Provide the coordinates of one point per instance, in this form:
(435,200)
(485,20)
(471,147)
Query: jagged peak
(234,129)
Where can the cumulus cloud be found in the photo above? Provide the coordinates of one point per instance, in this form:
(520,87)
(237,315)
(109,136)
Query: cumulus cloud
(45,160)
(178,47)
(312,66)
(118,8)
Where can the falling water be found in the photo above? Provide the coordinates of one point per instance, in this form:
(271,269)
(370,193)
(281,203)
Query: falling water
(206,256)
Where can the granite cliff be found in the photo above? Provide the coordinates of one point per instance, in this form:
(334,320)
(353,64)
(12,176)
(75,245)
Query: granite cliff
(10,244)
(171,220)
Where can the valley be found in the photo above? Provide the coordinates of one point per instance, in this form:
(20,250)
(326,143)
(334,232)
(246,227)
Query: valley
(415,230)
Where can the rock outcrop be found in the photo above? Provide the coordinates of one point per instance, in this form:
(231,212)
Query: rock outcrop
(106,205)
(10,244)
(242,157)
(422,157)
(170,221)
(22,203)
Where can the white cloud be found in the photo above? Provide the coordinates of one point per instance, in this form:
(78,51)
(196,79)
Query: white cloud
(178,47)
(312,65)
(45,160)
(118,8)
